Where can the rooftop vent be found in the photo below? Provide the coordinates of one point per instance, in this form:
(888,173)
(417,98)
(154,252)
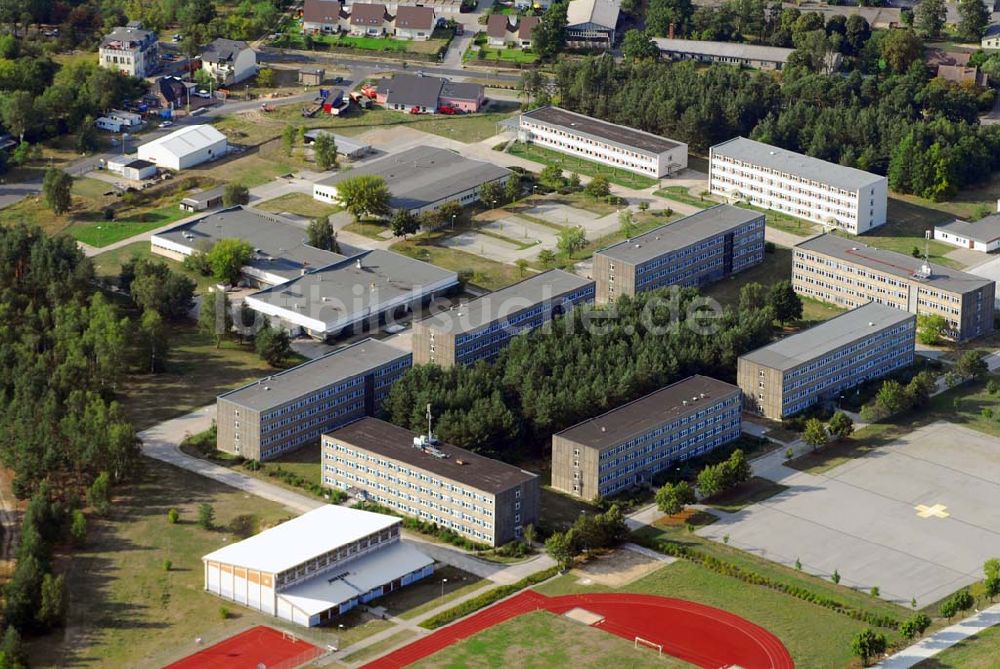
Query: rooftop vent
(684,402)
(871,324)
(459,462)
(357,263)
(604,429)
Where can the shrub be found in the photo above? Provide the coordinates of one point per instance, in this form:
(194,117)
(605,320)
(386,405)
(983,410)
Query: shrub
(224,613)
(78,528)
(173,515)
(206,516)
(167,565)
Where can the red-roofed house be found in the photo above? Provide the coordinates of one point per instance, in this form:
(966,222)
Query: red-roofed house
(369,19)
(525,27)
(497,28)
(323,16)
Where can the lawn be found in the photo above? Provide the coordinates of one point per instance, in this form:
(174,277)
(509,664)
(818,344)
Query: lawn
(103,233)
(542,640)
(755,490)
(784,222)
(683,195)
(301,204)
(483,54)
(583,167)
(976,652)
(196,373)
(558,511)
(425,595)
(904,231)
(962,405)
(644,222)
(579,200)
(383,646)
(474,269)
(367,229)
(777,266)
(107,265)
(390,45)
(123,604)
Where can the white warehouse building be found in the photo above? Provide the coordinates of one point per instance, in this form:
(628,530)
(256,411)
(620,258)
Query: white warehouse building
(770,177)
(982,235)
(320,565)
(185,147)
(603,142)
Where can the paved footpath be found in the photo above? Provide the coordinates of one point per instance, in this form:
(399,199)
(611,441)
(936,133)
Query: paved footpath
(942,640)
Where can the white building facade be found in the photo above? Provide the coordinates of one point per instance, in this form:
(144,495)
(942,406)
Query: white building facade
(602,142)
(982,235)
(320,565)
(130,50)
(229,61)
(769,177)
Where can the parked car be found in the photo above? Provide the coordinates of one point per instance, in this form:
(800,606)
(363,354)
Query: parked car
(201,93)
(414,110)
(166,124)
(338,80)
(445,109)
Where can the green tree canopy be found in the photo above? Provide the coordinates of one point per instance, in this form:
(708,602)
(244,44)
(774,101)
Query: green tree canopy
(227,259)
(364,196)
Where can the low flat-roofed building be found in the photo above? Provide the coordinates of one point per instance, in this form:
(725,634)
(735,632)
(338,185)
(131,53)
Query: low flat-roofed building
(480,329)
(280,249)
(210,198)
(363,290)
(348,147)
(285,411)
(819,364)
(696,250)
(734,53)
(770,177)
(982,235)
(312,76)
(847,273)
(421,179)
(629,445)
(310,569)
(480,498)
(591,24)
(602,142)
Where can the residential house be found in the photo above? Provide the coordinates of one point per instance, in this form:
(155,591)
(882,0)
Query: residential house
(416,23)
(525,28)
(370,20)
(991,40)
(497,28)
(130,50)
(323,16)
(229,61)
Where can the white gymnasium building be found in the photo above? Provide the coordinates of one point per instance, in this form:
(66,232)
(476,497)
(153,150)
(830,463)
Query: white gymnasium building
(313,568)
(185,147)
(602,142)
(769,177)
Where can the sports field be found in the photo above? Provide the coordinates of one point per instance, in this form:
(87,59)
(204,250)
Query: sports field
(695,633)
(257,647)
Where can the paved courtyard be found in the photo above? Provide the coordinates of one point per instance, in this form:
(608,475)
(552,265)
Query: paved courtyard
(916,518)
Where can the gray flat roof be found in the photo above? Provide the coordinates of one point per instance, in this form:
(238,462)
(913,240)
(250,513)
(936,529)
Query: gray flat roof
(279,243)
(345,145)
(630,138)
(800,165)
(204,195)
(984,230)
(394,442)
(342,289)
(423,175)
(821,339)
(774,54)
(283,387)
(544,287)
(681,233)
(641,415)
(890,262)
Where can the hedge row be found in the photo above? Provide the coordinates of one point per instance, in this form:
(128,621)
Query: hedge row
(487,598)
(729,569)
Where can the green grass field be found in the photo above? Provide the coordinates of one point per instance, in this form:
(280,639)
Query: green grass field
(486,54)
(196,373)
(580,166)
(107,265)
(541,640)
(480,271)
(425,595)
(301,204)
(123,604)
(103,233)
(977,652)
(682,194)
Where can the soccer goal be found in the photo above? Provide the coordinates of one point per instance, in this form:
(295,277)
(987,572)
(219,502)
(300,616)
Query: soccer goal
(289,636)
(639,641)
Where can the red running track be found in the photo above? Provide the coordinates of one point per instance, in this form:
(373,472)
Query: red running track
(258,645)
(699,634)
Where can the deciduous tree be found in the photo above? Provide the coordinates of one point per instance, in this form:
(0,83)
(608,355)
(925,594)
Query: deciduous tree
(364,196)
(325,151)
(227,259)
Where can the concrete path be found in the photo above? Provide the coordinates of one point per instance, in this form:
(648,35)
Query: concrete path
(162,442)
(942,640)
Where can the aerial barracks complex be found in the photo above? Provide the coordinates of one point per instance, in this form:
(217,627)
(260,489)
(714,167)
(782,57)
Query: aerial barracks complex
(820,363)
(480,329)
(283,412)
(847,273)
(480,498)
(694,251)
(322,564)
(773,178)
(629,445)
(602,142)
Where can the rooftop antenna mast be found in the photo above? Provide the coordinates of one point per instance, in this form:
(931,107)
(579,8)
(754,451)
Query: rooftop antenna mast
(430,418)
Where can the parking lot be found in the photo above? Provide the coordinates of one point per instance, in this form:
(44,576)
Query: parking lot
(916,519)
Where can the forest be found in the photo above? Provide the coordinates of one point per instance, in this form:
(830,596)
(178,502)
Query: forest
(588,362)
(922,132)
